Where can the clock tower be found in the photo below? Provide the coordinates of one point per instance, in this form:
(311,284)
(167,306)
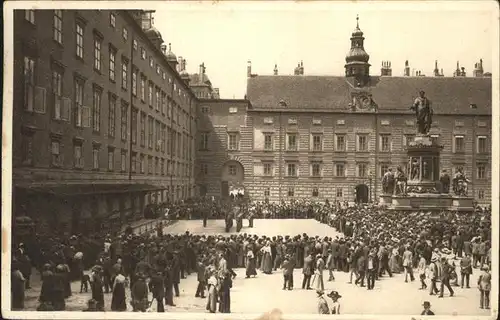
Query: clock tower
(357,67)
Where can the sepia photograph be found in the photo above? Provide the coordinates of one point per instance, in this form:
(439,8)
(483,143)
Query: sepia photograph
(227,159)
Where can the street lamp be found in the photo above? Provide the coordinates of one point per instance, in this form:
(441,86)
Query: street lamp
(370,177)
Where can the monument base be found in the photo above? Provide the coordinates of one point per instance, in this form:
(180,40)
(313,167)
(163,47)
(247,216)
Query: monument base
(429,202)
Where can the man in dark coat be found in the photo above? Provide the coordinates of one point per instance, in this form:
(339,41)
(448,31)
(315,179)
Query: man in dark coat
(288,266)
(158,290)
(202,280)
(446,270)
(465,270)
(139,294)
(361,265)
(168,283)
(96,286)
(307,271)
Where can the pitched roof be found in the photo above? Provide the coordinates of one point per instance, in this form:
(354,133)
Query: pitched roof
(195,80)
(392,94)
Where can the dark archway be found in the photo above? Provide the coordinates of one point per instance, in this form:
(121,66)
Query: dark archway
(362,193)
(232,177)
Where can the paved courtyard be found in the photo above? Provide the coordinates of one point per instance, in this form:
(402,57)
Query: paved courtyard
(391,296)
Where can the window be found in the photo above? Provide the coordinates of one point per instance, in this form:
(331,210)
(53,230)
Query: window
(157,166)
(317,145)
(158,70)
(204,169)
(150,94)
(57,27)
(150,132)
(339,193)
(79,40)
(268,120)
(340,142)
(78,155)
(124,73)
(292,142)
(142,164)
(383,169)
(134,44)
(268,142)
(268,167)
(163,133)
(267,192)
(95,158)
(56,154)
(315,192)
(162,166)
(459,143)
(482,146)
(97,53)
(125,34)
(133,129)
(143,129)
(158,99)
(27,149)
(292,169)
(151,62)
(57,94)
(123,161)
(143,87)
(158,136)
(96,110)
(339,170)
(79,113)
(111,159)
(29,15)
(205,109)
(316,169)
(112,20)
(163,103)
(233,141)
(143,53)
(408,138)
(204,141)
(291,192)
(480,194)
(112,63)
(134,82)
(362,142)
(163,75)
(481,171)
(233,110)
(124,118)
(362,172)
(232,170)
(385,143)
(112,115)
(29,83)
(134,163)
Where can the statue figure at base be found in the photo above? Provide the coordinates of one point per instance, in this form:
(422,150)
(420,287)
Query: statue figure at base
(460,183)
(388,182)
(401,181)
(423,112)
(444,179)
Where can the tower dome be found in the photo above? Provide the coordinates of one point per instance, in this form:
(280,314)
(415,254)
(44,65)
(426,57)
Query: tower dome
(153,33)
(171,57)
(357,52)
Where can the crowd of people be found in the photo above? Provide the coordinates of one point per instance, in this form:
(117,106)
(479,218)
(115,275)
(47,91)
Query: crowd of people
(376,243)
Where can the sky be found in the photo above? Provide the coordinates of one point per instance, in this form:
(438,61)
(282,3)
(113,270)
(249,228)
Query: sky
(224,36)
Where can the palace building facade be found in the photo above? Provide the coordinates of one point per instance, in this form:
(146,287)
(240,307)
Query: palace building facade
(333,137)
(104,120)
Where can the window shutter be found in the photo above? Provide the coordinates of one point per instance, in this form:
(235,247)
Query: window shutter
(86,117)
(40,100)
(65,109)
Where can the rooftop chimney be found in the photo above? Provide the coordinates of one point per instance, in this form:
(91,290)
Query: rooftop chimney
(301,68)
(478,69)
(179,64)
(462,73)
(407,69)
(296,71)
(216,93)
(202,72)
(249,68)
(386,69)
(275,69)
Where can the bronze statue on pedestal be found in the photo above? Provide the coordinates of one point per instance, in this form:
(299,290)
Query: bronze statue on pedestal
(423,111)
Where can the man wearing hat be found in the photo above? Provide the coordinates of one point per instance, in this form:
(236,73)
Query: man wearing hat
(427,309)
(484,285)
(334,295)
(445,277)
(307,271)
(433,274)
(287,267)
(322,304)
(318,273)
(465,270)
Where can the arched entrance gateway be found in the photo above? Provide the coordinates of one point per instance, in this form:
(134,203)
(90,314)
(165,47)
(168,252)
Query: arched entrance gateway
(232,178)
(362,193)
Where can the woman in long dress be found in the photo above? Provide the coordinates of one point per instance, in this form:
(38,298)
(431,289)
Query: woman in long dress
(212,292)
(118,300)
(250,268)
(394,261)
(267,264)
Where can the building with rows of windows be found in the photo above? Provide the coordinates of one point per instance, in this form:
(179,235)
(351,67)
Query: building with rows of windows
(104,120)
(334,137)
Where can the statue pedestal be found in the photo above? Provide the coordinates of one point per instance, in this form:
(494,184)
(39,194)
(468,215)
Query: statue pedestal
(423,186)
(385,200)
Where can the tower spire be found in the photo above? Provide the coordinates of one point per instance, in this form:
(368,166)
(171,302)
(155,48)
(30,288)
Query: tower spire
(357,65)
(357,21)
